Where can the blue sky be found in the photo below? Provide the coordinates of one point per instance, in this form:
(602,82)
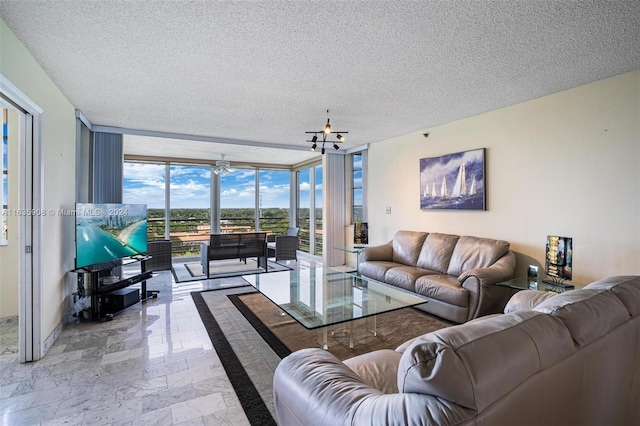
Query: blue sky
(144,183)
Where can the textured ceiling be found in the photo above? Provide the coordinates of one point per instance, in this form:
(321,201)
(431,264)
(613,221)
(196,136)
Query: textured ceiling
(267,71)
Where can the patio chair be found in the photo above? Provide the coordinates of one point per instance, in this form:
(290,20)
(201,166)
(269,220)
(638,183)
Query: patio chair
(160,252)
(283,247)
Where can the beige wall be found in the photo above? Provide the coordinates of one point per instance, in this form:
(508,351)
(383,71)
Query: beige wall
(9,253)
(566,164)
(58,151)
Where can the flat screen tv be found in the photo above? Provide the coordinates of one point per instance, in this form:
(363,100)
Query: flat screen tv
(559,257)
(106,232)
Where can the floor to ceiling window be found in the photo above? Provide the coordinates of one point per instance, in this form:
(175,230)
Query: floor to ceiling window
(144,183)
(189,216)
(304,208)
(318,194)
(357,212)
(274,201)
(238,201)
(250,200)
(310,209)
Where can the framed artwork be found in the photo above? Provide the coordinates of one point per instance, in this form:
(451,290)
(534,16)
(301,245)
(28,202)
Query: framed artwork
(453,181)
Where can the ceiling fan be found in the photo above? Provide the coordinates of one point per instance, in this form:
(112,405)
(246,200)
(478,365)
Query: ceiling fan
(222,166)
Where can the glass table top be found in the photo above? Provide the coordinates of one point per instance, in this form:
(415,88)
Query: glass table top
(527,283)
(318,297)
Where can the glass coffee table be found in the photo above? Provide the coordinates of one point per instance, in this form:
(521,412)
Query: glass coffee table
(321,297)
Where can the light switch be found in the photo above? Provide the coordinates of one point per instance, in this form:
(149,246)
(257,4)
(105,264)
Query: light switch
(388,210)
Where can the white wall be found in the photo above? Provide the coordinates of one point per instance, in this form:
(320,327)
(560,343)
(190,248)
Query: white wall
(58,144)
(566,164)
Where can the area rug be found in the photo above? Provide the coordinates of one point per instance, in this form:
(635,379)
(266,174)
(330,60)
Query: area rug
(278,329)
(250,349)
(192,270)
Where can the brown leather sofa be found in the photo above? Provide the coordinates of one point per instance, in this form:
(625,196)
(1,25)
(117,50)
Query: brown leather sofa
(565,359)
(457,274)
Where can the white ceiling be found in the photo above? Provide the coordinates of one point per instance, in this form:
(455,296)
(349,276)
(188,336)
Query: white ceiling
(267,71)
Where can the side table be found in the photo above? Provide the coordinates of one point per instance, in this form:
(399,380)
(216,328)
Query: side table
(528,283)
(353,249)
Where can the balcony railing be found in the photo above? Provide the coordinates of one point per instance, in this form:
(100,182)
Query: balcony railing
(187,234)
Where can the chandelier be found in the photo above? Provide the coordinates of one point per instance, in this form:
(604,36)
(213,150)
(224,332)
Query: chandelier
(326,133)
(222,166)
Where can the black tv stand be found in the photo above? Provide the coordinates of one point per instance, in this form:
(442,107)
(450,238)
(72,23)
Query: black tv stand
(102,292)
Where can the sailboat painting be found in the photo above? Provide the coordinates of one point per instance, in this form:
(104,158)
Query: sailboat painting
(453,181)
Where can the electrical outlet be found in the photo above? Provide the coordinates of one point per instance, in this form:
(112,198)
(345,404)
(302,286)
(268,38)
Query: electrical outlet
(388,211)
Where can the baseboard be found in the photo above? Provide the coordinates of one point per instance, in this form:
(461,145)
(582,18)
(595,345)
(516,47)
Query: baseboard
(51,339)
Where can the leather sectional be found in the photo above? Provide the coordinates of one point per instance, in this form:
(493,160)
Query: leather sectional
(553,359)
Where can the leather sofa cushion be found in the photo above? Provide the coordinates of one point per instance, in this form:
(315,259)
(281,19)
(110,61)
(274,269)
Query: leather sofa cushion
(625,288)
(477,363)
(473,252)
(407,246)
(405,276)
(376,269)
(436,252)
(588,314)
(443,287)
(378,369)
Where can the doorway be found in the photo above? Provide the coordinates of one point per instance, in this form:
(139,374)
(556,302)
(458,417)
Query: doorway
(20,251)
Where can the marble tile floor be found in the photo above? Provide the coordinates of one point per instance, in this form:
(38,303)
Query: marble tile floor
(152,365)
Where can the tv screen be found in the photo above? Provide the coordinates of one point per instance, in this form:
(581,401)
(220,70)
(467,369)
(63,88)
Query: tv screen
(106,232)
(559,254)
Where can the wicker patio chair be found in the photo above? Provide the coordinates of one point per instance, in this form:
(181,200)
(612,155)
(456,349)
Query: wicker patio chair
(160,252)
(283,247)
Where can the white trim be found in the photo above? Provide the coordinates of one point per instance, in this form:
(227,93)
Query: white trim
(80,116)
(214,202)
(212,139)
(293,199)
(257,211)
(18,97)
(312,209)
(357,149)
(30,196)
(167,201)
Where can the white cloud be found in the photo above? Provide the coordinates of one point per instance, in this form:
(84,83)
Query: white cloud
(305,186)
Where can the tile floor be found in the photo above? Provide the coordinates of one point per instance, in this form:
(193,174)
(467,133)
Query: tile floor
(153,364)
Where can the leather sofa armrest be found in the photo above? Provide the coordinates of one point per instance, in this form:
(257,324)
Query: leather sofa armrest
(526,300)
(316,375)
(378,369)
(382,252)
(485,297)
(312,387)
(501,270)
